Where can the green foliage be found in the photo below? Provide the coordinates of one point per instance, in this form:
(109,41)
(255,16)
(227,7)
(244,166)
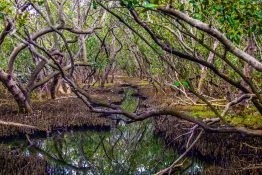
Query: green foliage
(1,15)
(5,8)
(129,3)
(238,20)
(39,2)
(234,17)
(22,19)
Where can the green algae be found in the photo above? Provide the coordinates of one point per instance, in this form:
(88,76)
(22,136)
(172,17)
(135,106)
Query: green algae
(203,114)
(250,121)
(246,119)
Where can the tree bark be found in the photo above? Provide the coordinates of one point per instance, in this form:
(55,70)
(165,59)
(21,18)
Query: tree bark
(53,86)
(210,59)
(251,49)
(111,62)
(216,34)
(18,93)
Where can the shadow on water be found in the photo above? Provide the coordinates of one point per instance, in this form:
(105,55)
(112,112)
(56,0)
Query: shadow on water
(123,150)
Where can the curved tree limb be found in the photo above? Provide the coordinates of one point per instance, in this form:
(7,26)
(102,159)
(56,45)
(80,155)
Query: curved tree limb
(236,101)
(38,34)
(215,33)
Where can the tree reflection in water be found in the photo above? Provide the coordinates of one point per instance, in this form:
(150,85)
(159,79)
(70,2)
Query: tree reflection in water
(125,149)
(130,150)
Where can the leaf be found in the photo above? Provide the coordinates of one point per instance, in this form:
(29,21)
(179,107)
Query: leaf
(182,7)
(41,2)
(222,20)
(260,14)
(186,84)
(198,16)
(253,28)
(230,20)
(237,39)
(94,5)
(192,1)
(1,15)
(176,83)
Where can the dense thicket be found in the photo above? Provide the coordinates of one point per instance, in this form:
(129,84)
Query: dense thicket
(200,48)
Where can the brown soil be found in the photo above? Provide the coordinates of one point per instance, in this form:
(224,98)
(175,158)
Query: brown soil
(49,115)
(63,112)
(13,163)
(54,114)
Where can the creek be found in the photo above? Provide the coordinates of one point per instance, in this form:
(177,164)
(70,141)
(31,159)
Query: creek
(121,150)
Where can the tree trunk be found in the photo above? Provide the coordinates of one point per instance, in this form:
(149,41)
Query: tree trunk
(53,86)
(251,49)
(210,59)
(15,89)
(113,73)
(105,76)
(111,62)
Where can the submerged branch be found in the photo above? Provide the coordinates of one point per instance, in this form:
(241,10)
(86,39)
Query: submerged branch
(171,167)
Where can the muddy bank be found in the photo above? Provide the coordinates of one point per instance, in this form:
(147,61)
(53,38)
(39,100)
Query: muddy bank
(61,149)
(66,112)
(50,115)
(235,153)
(223,153)
(13,162)
(230,153)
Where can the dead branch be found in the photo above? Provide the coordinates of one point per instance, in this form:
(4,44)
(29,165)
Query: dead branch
(20,125)
(236,101)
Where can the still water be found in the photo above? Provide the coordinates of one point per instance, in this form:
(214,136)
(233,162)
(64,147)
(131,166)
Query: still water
(122,150)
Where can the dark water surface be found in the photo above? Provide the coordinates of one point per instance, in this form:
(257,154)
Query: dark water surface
(122,150)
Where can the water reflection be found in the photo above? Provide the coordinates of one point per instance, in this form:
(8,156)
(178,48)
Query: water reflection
(123,150)
(128,151)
